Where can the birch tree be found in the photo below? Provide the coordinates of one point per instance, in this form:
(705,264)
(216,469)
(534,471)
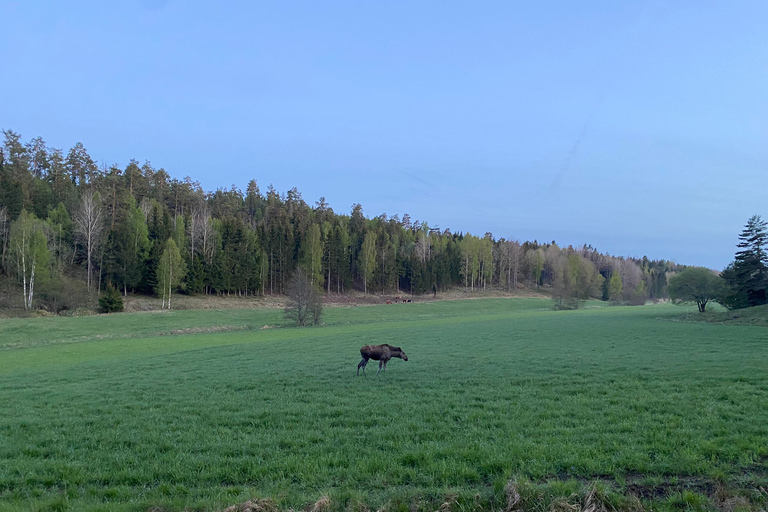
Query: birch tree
(170,272)
(535,258)
(89,226)
(28,246)
(202,233)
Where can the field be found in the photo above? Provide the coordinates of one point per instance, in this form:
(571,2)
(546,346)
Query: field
(500,399)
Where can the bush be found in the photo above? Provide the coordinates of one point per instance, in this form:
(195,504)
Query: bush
(64,293)
(111,301)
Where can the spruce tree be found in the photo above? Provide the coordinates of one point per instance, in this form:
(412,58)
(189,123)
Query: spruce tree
(747,275)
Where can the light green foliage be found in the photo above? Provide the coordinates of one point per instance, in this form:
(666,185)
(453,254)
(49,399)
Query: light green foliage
(536,263)
(577,281)
(139,232)
(28,248)
(696,284)
(615,287)
(170,271)
(180,233)
(470,260)
(114,410)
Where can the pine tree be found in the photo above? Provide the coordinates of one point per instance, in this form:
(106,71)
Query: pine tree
(111,301)
(747,275)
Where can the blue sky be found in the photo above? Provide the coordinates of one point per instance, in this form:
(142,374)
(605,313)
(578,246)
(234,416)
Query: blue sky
(638,127)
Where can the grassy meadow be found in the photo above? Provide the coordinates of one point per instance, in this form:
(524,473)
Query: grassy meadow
(200,410)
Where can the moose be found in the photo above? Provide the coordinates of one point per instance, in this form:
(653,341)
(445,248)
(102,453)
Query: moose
(381,353)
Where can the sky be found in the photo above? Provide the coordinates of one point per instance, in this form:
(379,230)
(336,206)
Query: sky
(639,127)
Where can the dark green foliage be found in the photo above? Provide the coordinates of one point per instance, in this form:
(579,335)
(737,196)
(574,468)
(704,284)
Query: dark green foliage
(197,276)
(747,275)
(733,297)
(110,301)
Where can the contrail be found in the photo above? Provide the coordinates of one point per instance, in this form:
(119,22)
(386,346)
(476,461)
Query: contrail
(574,149)
(632,33)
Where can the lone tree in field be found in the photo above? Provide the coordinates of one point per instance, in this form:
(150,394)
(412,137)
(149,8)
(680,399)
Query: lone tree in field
(305,305)
(696,284)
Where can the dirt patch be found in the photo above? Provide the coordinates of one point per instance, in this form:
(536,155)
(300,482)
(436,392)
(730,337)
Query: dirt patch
(255,505)
(321,505)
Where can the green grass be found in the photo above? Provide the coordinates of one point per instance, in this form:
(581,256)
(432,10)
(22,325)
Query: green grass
(112,412)
(715,313)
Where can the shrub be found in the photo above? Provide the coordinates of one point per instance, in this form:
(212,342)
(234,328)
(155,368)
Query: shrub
(64,293)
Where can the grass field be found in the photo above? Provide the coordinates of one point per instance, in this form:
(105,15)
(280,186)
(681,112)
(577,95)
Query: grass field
(199,410)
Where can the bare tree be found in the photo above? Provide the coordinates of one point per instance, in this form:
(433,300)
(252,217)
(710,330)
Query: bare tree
(202,234)
(631,276)
(146,207)
(305,304)
(513,251)
(88,225)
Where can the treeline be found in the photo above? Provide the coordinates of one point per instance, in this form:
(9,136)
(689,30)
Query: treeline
(66,222)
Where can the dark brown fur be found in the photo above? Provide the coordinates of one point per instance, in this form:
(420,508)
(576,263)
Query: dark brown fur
(381,353)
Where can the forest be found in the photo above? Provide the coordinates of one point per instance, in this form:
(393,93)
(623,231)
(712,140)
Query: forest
(70,229)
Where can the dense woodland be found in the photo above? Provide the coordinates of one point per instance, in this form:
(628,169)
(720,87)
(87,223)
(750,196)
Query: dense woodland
(68,225)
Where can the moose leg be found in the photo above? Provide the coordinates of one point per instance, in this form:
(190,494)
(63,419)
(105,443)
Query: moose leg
(362,364)
(380,363)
